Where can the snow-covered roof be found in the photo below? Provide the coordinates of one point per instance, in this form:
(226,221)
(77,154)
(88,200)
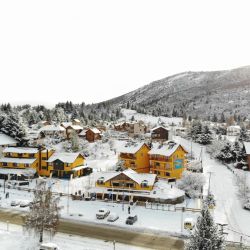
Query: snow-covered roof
(25,172)
(52,128)
(76,127)
(79,168)
(20,150)
(6,140)
(64,157)
(83,132)
(18,160)
(166,149)
(137,177)
(234,127)
(130,148)
(76,120)
(159,127)
(95,130)
(247,147)
(66,124)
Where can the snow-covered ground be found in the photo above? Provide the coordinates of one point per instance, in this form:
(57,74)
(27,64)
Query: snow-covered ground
(228,208)
(149,119)
(12,237)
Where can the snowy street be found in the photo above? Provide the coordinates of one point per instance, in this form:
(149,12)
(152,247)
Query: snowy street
(228,208)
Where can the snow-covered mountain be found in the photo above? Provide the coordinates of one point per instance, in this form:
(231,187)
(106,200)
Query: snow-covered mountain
(201,94)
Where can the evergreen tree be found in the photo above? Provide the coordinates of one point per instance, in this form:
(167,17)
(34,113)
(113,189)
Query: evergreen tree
(225,154)
(205,137)
(206,235)
(74,142)
(243,135)
(10,125)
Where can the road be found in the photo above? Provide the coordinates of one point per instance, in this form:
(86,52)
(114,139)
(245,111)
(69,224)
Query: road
(103,232)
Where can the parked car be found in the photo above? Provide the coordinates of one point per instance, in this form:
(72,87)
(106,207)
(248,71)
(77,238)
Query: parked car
(113,217)
(131,219)
(247,205)
(48,246)
(15,203)
(102,213)
(25,203)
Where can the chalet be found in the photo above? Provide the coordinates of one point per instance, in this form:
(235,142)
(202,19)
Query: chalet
(129,185)
(43,123)
(133,128)
(93,134)
(6,141)
(72,126)
(135,156)
(247,149)
(168,160)
(24,158)
(52,130)
(127,179)
(63,165)
(160,134)
(233,130)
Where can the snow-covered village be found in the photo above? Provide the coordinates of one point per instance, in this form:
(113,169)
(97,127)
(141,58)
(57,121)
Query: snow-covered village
(124,125)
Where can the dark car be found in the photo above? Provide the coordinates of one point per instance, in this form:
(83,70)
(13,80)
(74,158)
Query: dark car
(131,219)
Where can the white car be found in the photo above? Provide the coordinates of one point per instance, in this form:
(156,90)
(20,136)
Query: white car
(15,203)
(48,246)
(102,213)
(113,217)
(247,205)
(25,203)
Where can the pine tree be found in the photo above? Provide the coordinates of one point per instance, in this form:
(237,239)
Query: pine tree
(206,235)
(244,136)
(44,211)
(205,137)
(225,154)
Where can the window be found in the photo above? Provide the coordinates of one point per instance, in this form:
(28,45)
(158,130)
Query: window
(44,158)
(26,165)
(115,184)
(157,164)
(14,164)
(31,155)
(129,185)
(44,168)
(167,174)
(144,183)
(20,155)
(100,181)
(5,164)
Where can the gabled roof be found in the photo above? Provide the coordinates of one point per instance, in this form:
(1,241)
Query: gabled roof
(53,128)
(95,130)
(247,147)
(66,124)
(131,148)
(75,127)
(153,129)
(6,140)
(131,174)
(21,150)
(76,120)
(166,149)
(64,157)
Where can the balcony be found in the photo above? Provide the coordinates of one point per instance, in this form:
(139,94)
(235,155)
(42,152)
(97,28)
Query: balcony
(159,158)
(127,156)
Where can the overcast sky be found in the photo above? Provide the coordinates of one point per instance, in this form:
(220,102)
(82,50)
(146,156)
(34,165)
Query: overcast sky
(91,51)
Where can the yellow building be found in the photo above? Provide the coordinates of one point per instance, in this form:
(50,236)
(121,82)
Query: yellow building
(24,158)
(135,156)
(127,180)
(62,165)
(168,160)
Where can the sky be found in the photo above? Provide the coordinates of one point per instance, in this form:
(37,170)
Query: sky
(90,51)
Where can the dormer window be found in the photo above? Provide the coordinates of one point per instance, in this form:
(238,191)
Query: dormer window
(144,183)
(100,181)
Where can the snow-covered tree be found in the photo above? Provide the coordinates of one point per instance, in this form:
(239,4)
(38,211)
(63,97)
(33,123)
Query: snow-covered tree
(75,145)
(205,136)
(206,235)
(209,200)
(243,135)
(11,125)
(191,183)
(44,211)
(226,155)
